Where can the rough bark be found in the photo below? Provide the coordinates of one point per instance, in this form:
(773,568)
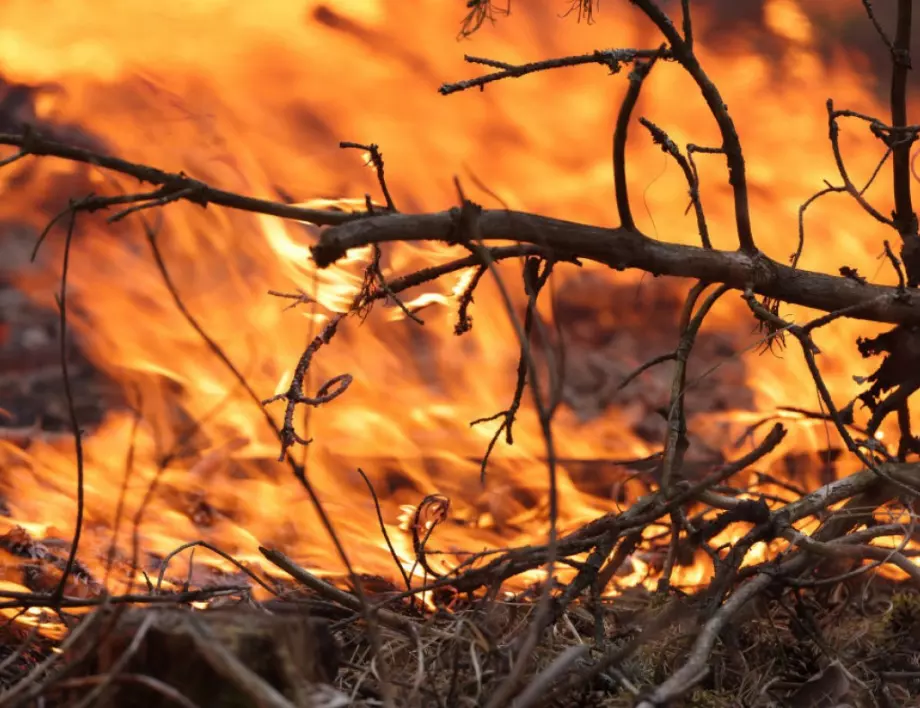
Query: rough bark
(620,248)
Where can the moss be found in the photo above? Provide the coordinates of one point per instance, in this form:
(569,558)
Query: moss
(904,615)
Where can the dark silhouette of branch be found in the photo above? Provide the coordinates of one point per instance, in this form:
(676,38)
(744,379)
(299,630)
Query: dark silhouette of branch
(195,191)
(545,242)
(870,11)
(904,217)
(636,79)
(659,137)
(534,280)
(383,530)
(296,468)
(682,52)
(58,593)
(620,249)
(376,159)
(613,59)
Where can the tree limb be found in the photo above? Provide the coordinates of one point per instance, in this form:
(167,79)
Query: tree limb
(171,183)
(621,248)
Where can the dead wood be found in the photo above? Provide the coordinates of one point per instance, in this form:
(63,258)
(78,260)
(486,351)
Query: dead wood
(247,657)
(620,248)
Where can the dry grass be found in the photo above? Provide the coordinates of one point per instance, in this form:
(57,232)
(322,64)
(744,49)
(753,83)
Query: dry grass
(459,659)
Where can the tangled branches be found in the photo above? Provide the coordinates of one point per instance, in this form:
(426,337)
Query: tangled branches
(692,511)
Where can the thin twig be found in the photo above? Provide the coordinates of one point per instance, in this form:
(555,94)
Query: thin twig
(635,373)
(195,191)
(164,564)
(390,619)
(383,530)
(296,468)
(621,130)
(376,159)
(611,58)
(896,264)
(878,27)
(471,235)
(851,189)
(119,508)
(682,52)
(71,412)
(661,138)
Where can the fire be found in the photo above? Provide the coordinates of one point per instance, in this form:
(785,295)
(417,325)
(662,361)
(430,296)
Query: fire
(254,98)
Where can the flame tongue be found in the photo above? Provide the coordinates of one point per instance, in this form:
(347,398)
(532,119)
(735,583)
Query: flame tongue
(249,98)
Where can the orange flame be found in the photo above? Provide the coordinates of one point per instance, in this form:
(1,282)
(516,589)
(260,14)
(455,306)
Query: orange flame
(254,97)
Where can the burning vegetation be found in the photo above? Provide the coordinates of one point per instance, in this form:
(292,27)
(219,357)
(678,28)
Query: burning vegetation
(266,441)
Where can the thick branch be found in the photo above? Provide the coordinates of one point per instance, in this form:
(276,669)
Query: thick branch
(620,248)
(904,216)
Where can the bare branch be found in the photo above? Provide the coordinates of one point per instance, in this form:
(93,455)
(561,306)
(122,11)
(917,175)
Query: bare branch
(376,159)
(193,190)
(670,147)
(682,52)
(904,217)
(613,59)
(870,11)
(636,79)
(621,249)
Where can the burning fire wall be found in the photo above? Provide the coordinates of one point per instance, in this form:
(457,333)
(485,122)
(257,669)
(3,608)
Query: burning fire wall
(169,350)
